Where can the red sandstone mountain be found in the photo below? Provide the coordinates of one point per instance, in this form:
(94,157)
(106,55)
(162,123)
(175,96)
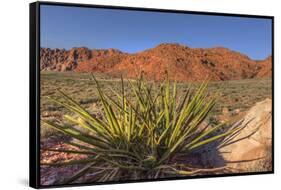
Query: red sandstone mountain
(181,62)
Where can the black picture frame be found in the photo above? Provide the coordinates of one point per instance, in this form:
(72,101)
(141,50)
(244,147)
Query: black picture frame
(34,89)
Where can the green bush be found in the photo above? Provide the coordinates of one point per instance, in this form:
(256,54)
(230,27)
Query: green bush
(138,137)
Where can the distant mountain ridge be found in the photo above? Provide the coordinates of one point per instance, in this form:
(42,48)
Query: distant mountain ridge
(180,62)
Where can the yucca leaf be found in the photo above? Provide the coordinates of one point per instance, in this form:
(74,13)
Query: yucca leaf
(77,135)
(94,121)
(68,163)
(69,151)
(80,173)
(204,134)
(212,139)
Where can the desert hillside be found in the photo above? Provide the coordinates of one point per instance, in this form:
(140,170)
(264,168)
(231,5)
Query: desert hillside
(265,67)
(181,62)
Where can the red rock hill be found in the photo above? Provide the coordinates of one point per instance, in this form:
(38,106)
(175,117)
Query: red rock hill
(181,62)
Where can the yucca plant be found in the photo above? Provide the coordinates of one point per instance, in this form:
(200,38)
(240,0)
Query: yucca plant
(139,137)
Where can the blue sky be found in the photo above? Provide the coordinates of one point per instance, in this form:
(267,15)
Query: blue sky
(133,31)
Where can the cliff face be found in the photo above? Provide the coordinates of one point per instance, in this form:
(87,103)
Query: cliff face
(181,62)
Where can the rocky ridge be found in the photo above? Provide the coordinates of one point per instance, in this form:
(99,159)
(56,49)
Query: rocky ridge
(180,62)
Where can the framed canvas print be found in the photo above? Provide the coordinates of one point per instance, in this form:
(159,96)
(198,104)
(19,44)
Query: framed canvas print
(121,94)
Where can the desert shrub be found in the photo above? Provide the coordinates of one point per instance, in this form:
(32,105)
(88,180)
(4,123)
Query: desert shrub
(139,137)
